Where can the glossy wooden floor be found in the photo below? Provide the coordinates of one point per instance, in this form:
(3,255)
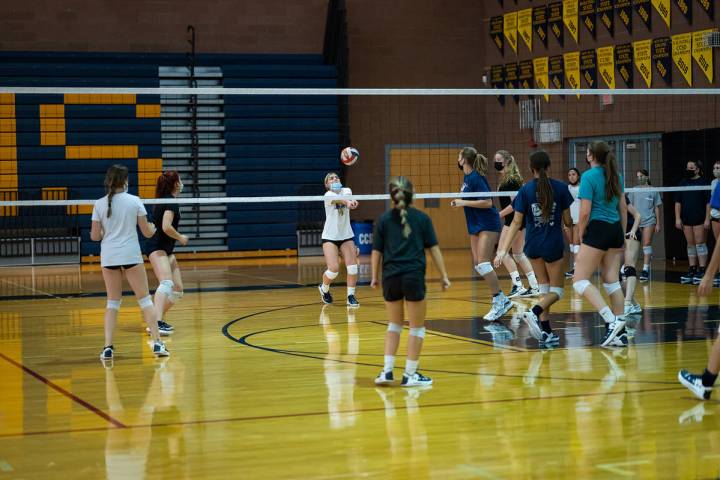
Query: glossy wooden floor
(264,382)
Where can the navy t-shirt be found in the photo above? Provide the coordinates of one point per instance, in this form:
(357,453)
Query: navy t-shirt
(542,238)
(400,254)
(693,203)
(479,219)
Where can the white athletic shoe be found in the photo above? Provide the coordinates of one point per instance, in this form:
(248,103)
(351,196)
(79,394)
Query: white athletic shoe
(530,292)
(633,309)
(613,330)
(417,379)
(384,378)
(501,305)
(159,350)
(533,324)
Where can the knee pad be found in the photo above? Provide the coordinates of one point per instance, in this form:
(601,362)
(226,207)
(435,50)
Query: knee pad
(647,250)
(701,249)
(165,287)
(394,327)
(113,304)
(574,248)
(611,288)
(519,257)
(418,332)
(352,269)
(145,302)
(544,288)
(580,286)
(629,271)
(691,251)
(483,268)
(559,291)
(331,275)
(175,296)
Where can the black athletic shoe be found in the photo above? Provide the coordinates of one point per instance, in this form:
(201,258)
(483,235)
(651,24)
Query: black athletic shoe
(699,274)
(644,276)
(325,297)
(688,277)
(570,273)
(165,329)
(352,301)
(166,326)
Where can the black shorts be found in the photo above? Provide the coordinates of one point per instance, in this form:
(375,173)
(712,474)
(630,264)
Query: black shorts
(712,219)
(693,220)
(509,219)
(604,235)
(167,247)
(124,267)
(409,285)
(549,257)
(338,243)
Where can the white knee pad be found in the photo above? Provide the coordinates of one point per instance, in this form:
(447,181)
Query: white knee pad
(145,302)
(394,327)
(544,288)
(574,248)
(559,291)
(580,286)
(611,288)
(113,304)
(691,251)
(165,287)
(418,332)
(701,249)
(519,257)
(352,269)
(175,296)
(331,275)
(483,268)
(647,250)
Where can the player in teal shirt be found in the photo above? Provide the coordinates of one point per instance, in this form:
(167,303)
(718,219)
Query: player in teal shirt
(603,216)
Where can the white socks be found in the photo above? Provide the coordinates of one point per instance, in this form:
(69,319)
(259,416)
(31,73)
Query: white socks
(607,315)
(532,280)
(325,288)
(410,367)
(350,291)
(389,363)
(515,277)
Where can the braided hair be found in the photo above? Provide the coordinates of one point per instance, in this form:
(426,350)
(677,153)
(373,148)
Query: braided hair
(401,193)
(115,179)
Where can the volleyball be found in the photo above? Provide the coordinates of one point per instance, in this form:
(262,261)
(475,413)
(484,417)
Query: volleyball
(349,156)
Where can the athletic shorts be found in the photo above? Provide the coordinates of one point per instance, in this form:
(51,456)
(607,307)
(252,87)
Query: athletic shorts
(409,285)
(154,247)
(547,257)
(604,235)
(693,219)
(509,219)
(338,243)
(123,267)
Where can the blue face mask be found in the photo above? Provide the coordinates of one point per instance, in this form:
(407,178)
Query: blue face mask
(336,186)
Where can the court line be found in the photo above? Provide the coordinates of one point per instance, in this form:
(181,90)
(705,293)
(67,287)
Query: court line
(243,341)
(32,289)
(64,392)
(353,411)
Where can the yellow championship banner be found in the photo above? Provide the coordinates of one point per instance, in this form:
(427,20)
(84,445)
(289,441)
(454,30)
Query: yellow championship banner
(606,65)
(663,9)
(570,17)
(541,70)
(572,69)
(682,55)
(525,26)
(643,59)
(702,53)
(510,29)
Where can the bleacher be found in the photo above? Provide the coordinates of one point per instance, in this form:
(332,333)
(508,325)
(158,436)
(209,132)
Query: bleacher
(273,145)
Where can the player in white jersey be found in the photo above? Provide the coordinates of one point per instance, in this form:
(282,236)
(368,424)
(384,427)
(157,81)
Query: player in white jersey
(115,218)
(337,238)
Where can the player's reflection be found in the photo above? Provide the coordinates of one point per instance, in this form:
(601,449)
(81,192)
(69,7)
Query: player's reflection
(407,437)
(133,452)
(340,368)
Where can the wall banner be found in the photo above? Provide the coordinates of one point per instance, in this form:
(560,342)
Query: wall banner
(682,55)
(663,9)
(570,17)
(606,65)
(555,22)
(588,16)
(525,28)
(588,67)
(496,33)
(685,7)
(572,69)
(540,24)
(642,7)
(643,60)
(557,71)
(708,6)
(511,78)
(605,11)
(703,54)
(497,80)
(661,57)
(624,61)
(510,29)
(541,73)
(623,11)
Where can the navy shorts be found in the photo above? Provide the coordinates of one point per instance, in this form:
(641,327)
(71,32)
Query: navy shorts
(409,285)
(547,257)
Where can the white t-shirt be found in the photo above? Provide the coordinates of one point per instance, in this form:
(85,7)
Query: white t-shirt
(575,206)
(120,245)
(337,217)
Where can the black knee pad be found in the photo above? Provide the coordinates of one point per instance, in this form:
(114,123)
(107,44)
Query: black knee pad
(630,271)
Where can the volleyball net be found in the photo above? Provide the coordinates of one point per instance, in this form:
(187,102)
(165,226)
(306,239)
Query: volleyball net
(253,160)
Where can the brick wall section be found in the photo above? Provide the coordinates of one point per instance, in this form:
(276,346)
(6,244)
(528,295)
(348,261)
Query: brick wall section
(223,26)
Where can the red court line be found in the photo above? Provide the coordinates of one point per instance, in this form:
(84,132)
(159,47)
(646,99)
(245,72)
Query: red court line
(360,410)
(64,392)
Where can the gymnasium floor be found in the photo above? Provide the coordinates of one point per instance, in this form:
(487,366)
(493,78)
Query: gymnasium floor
(265,382)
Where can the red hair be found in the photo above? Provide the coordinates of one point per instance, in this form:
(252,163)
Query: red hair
(166,184)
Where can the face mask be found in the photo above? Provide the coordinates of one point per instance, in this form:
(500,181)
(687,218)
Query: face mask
(499,166)
(716,172)
(336,186)
(690,173)
(125,188)
(642,180)
(180,188)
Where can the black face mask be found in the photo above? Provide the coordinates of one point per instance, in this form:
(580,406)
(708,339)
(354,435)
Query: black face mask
(690,173)
(499,166)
